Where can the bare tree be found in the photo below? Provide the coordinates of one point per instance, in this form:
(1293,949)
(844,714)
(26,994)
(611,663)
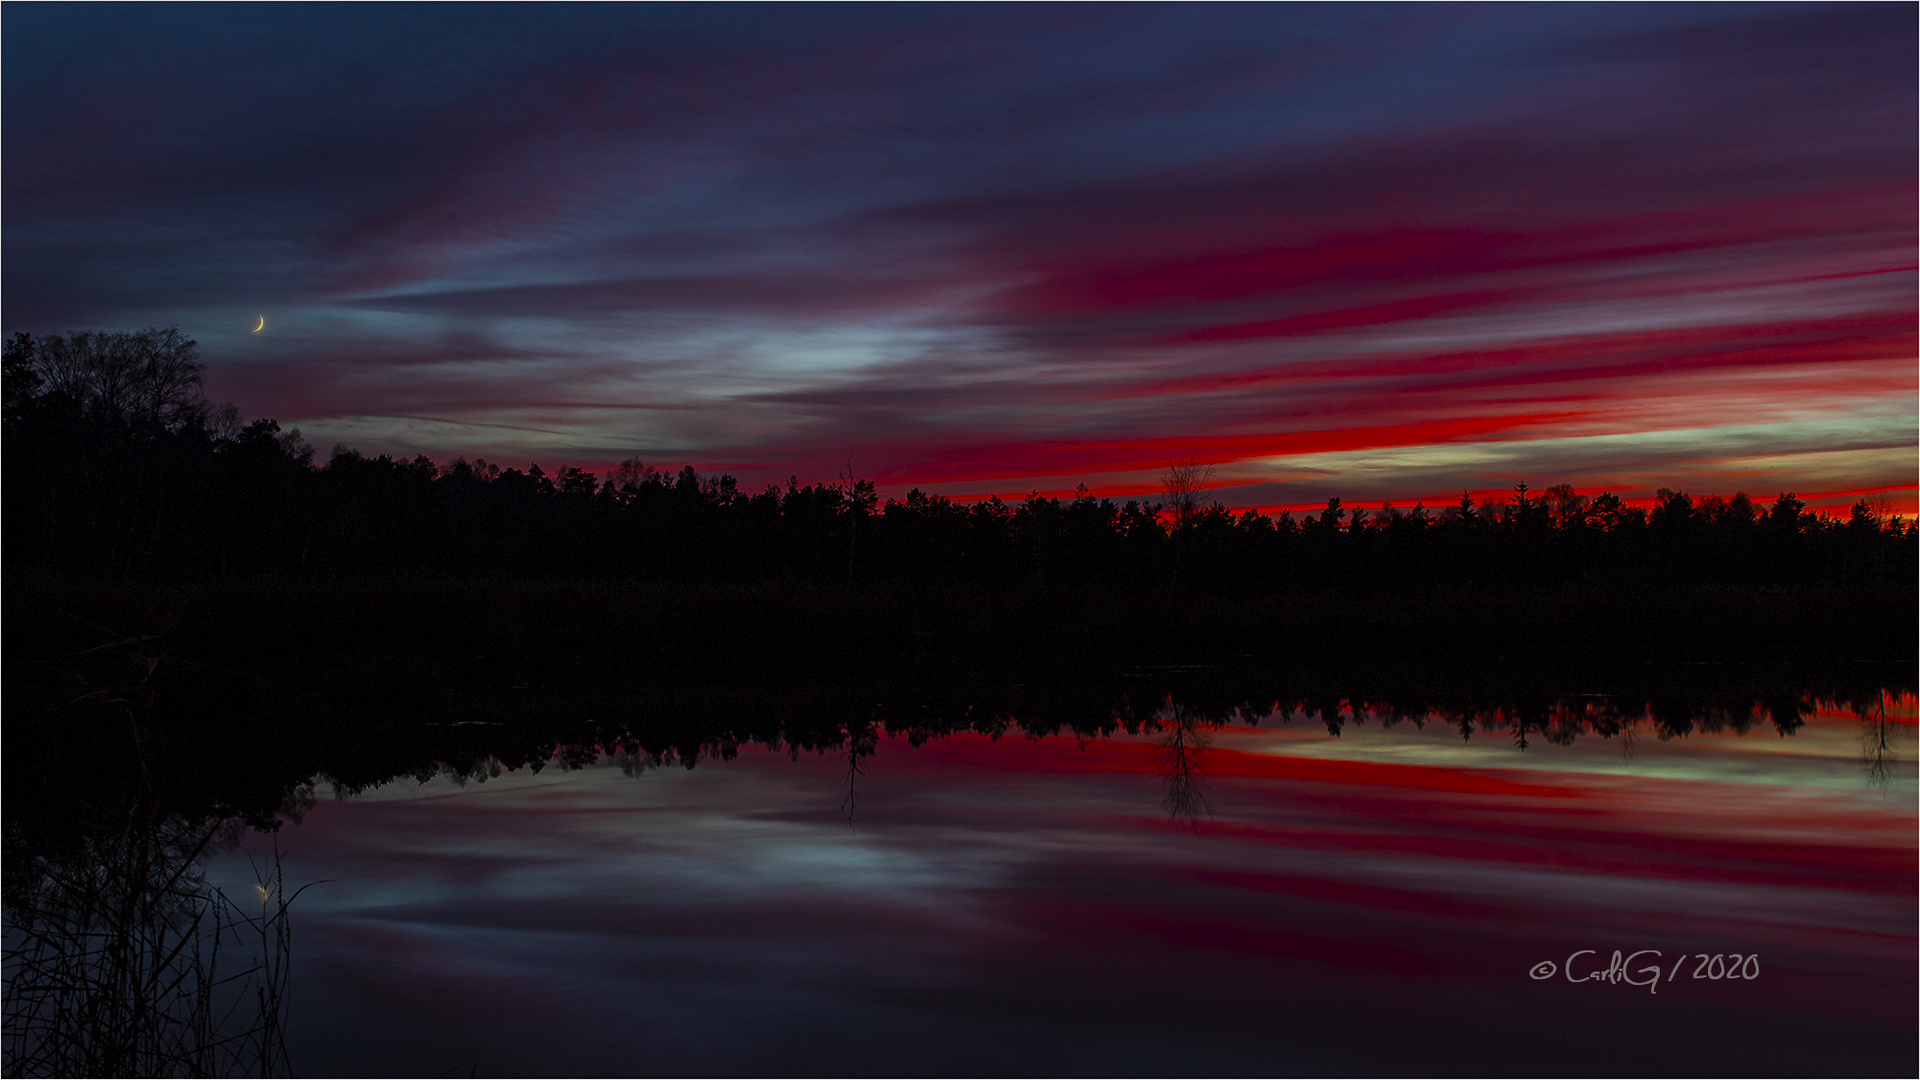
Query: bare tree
(1880,505)
(146,376)
(860,498)
(1183,482)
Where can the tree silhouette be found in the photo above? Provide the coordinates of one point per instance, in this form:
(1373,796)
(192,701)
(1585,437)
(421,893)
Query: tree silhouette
(116,466)
(142,378)
(1183,482)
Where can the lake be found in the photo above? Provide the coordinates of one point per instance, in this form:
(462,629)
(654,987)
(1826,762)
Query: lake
(1190,895)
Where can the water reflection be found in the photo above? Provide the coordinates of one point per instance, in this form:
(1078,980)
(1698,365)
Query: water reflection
(1181,762)
(1877,739)
(1033,889)
(861,740)
(1337,834)
(1179,717)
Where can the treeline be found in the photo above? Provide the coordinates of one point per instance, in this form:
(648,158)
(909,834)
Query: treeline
(116,465)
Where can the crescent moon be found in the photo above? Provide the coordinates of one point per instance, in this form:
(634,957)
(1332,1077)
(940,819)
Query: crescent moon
(262,326)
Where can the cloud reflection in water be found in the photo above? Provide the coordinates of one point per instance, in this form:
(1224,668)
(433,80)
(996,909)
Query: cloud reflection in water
(1371,902)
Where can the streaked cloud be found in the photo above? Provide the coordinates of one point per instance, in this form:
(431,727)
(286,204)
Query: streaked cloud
(1379,252)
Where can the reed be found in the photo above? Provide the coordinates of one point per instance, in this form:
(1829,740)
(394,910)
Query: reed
(119,957)
(122,960)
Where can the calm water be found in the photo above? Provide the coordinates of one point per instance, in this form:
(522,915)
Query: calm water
(1264,899)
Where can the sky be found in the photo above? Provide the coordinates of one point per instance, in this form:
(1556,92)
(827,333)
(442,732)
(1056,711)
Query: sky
(1379,252)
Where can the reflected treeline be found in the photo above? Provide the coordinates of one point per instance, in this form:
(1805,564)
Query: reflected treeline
(215,744)
(714,725)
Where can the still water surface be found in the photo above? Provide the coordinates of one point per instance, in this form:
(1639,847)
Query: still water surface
(1247,899)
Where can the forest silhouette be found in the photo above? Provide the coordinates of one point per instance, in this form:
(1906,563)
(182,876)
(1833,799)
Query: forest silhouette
(117,467)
